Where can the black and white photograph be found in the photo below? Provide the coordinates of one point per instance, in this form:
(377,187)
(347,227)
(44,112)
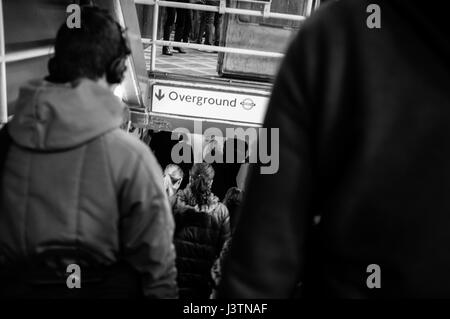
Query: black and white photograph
(233,156)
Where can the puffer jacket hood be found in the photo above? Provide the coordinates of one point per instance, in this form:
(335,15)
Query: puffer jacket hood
(52,116)
(75,188)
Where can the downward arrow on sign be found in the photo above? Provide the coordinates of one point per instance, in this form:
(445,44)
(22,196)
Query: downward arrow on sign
(159,95)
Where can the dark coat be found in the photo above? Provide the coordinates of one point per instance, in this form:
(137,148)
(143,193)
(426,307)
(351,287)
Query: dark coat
(199,238)
(73,181)
(363,117)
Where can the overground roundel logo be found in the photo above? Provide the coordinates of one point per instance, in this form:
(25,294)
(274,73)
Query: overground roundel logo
(248,104)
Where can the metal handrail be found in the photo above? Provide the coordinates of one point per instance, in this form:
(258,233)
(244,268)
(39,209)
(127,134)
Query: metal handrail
(256,1)
(48,50)
(210,8)
(28,54)
(203,7)
(215,48)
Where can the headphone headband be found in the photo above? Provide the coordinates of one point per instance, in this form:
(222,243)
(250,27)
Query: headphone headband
(116,69)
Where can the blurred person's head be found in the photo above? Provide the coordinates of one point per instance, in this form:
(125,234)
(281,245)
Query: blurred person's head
(97,50)
(233,200)
(238,147)
(211,149)
(173,177)
(201,177)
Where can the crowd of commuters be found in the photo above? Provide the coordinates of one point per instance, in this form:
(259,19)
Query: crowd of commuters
(364,145)
(95,195)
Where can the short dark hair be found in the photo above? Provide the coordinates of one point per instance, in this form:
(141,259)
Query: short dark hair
(88,51)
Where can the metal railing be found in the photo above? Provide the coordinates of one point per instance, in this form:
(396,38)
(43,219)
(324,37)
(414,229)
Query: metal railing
(221,8)
(28,54)
(12,57)
(216,48)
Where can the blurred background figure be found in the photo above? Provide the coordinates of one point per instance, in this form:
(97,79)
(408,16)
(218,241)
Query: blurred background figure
(227,173)
(162,145)
(182,18)
(173,177)
(233,201)
(210,25)
(212,149)
(202,227)
(362,110)
(196,20)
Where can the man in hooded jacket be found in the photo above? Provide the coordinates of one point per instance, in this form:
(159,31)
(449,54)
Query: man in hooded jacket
(76,189)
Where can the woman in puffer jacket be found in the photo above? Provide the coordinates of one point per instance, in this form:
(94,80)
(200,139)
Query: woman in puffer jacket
(201,228)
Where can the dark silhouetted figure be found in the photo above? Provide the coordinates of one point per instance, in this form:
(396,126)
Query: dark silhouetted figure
(233,201)
(183,26)
(363,115)
(210,25)
(226,173)
(173,177)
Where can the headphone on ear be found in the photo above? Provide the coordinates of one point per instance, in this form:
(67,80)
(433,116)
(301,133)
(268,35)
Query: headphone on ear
(116,69)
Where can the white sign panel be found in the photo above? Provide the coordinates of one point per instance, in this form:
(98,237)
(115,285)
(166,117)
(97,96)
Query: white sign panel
(209,104)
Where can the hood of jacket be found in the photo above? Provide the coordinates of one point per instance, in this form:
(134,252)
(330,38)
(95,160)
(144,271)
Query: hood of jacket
(51,116)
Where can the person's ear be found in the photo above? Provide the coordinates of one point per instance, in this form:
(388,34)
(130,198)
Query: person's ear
(178,184)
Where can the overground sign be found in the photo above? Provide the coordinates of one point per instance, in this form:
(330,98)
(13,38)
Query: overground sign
(209,104)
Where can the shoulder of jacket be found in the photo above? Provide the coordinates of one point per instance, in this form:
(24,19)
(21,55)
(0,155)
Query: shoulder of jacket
(222,207)
(221,211)
(125,141)
(123,148)
(335,18)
